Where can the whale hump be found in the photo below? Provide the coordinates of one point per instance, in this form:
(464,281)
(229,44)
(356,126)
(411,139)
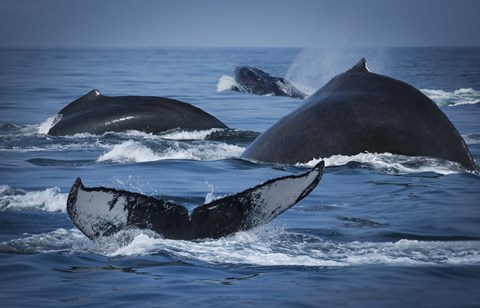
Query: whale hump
(101,211)
(360,67)
(97,114)
(356,112)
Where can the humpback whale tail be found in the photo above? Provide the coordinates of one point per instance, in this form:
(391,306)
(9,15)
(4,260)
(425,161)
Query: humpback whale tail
(101,211)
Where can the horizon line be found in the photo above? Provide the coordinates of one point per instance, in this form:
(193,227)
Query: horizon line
(228,47)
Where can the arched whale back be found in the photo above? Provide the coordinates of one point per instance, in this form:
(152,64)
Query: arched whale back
(96,114)
(360,111)
(101,211)
(255,81)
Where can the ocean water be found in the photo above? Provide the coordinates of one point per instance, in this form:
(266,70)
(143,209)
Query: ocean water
(380,229)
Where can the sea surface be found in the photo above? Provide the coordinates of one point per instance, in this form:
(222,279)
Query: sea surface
(380,230)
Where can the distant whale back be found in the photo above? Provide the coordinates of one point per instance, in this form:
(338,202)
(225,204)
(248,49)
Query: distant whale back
(255,81)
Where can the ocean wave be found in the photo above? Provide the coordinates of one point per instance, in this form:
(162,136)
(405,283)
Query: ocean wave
(472,138)
(392,163)
(264,246)
(135,151)
(21,145)
(131,146)
(463,96)
(50,199)
(60,240)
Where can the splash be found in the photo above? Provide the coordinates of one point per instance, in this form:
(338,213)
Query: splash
(471,138)
(265,246)
(189,135)
(129,151)
(210,195)
(464,96)
(50,199)
(274,246)
(44,127)
(134,151)
(392,163)
(226,83)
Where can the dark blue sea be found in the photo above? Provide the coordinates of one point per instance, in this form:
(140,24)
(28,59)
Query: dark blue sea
(380,230)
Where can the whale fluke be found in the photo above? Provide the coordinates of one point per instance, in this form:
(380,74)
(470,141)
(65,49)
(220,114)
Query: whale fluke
(101,211)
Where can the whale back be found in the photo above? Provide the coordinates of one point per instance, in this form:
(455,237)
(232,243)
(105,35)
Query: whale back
(359,111)
(255,81)
(96,114)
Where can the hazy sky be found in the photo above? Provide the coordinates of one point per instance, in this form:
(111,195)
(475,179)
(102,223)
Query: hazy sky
(239,23)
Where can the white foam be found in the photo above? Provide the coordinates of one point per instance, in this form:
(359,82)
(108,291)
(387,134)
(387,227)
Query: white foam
(472,138)
(134,151)
(210,195)
(463,96)
(189,135)
(175,134)
(265,246)
(44,127)
(392,163)
(226,83)
(141,242)
(50,199)
(262,247)
(129,151)
(60,240)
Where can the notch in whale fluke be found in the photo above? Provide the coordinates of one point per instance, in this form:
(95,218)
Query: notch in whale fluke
(101,211)
(360,67)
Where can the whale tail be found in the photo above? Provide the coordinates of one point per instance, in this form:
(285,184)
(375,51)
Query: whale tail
(101,211)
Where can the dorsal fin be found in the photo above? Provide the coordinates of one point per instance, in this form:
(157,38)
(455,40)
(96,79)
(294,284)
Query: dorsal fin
(92,94)
(81,102)
(360,67)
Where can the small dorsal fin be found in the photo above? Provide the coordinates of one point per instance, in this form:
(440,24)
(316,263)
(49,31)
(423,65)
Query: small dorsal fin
(360,67)
(94,93)
(89,97)
(81,102)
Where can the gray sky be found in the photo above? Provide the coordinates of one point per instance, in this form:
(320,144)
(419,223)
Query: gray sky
(239,23)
